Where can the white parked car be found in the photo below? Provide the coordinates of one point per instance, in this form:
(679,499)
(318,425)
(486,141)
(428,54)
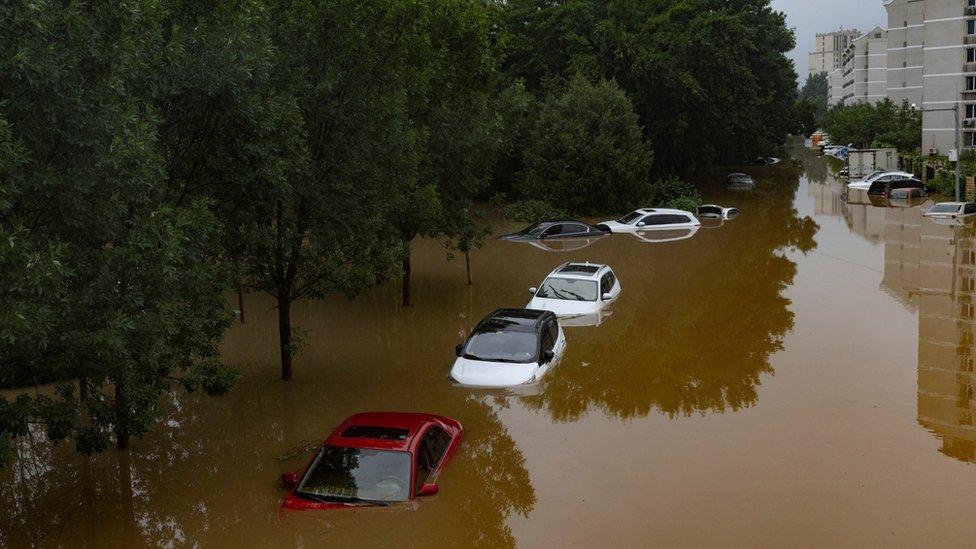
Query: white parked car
(576,289)
(509,348)
(952,210)
(646,219)
(865,184)
(660,236)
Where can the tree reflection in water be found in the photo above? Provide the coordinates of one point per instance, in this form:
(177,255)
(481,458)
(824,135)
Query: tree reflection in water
(702,330)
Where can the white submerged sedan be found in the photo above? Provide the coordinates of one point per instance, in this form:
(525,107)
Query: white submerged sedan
(576,290)
(509,348)
(645,219)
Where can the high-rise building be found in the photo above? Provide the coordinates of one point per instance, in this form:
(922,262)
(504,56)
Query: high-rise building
(906,23)
(864,68)
(829,48)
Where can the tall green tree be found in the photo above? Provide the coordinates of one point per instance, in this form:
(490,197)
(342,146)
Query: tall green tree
(587,153)
(129,295)
(814,93)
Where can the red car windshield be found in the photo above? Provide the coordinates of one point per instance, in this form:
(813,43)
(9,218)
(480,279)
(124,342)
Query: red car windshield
(353,475)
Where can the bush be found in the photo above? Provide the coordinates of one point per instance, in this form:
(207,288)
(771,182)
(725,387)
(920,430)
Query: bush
(675,193)
(943,183)
(587,153)
(532,211)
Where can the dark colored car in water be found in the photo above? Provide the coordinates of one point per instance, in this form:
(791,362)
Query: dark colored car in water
(884,188)
(377,458)
(546,230)
(740,181)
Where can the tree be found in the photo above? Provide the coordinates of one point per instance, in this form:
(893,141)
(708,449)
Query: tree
(876,125)
(129,298)
(586,152)
(694,108)
(814,94)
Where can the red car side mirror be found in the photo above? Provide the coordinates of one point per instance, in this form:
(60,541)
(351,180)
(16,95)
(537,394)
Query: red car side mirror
(290,480)
(428,490)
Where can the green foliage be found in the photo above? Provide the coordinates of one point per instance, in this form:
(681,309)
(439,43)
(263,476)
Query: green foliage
(692,68)
(878,125)
(813,100)
(587,154)
(532,211)
(943,183)
(675,193)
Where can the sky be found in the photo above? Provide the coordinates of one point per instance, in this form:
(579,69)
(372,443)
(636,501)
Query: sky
(808,17)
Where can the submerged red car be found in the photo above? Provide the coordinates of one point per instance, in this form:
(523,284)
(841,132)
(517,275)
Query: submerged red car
(376,458)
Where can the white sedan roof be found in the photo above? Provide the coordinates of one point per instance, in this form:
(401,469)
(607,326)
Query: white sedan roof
(579,270)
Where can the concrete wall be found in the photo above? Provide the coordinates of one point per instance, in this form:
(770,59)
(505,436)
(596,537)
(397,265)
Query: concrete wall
(905,40)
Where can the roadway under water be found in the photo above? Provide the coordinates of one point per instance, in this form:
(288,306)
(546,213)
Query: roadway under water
(800,375)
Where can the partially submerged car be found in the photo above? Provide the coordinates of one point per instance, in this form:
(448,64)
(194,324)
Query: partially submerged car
(576,289)
(660,236)
(377,458)
(547,230)
(508,348)
(714,211)
(884,185)
(766,161)
(878,176)
(906,197)
(740,181)
(645,219)
(952,210)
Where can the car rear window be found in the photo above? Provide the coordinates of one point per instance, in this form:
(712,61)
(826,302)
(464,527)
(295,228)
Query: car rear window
(369,431)
(945,208)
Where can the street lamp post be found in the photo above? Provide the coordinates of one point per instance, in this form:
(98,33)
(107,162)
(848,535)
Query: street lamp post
(955,110)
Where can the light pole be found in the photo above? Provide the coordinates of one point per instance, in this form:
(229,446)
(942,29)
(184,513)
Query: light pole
(955,110)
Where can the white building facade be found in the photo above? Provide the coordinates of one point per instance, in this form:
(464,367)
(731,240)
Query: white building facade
(864,68)
(828,50)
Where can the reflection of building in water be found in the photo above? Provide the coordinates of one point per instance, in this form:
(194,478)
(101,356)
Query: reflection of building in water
(947,280)
(902,241)
(862,218)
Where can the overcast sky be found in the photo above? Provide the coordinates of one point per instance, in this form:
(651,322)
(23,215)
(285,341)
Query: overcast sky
(808,17)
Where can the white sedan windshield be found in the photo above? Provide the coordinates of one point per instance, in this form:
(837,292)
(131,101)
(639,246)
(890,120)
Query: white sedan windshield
(568,288)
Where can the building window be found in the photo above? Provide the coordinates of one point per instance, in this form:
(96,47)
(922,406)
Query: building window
(971,55)
(970,111)
(970,83)
(971,26)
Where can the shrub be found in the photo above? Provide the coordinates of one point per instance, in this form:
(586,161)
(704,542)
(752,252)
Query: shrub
(587,153)
(675,193)
(532,211)
(943,183)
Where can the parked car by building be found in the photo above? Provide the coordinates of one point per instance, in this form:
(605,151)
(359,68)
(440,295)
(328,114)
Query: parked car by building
(740,181)
(576,289)
(865,184)
(375,459)
(508,348)
(646,219)
(952,210)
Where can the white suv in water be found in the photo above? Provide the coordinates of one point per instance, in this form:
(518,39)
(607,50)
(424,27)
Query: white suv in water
(576,289)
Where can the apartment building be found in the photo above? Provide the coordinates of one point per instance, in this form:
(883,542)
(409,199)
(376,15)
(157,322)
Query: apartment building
(835,87)
(829,48)
(864,68)
(906,23)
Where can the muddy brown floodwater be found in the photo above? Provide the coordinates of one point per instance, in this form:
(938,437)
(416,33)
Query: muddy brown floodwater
(801,375)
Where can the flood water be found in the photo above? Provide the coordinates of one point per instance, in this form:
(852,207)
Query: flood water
(800,375)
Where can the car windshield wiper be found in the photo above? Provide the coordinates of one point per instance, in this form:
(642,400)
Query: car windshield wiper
(341,499)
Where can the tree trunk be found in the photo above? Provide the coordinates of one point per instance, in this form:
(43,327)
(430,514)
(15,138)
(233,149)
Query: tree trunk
(240,302)
(284,335)
(467,264)
(406,279)
(121,419)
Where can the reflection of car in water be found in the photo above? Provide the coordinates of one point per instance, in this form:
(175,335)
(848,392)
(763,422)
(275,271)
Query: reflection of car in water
(564,244)
(575,289)
(375,459)
(661,236)
(906,198)
(741,181)
(509,347)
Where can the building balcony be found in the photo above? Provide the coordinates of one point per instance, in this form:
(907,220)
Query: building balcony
(968,95)
(969,67)
(969,39)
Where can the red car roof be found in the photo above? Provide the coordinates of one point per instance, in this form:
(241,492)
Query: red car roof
(412,423)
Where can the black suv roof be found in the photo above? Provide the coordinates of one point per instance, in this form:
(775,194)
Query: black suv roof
(514,320)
